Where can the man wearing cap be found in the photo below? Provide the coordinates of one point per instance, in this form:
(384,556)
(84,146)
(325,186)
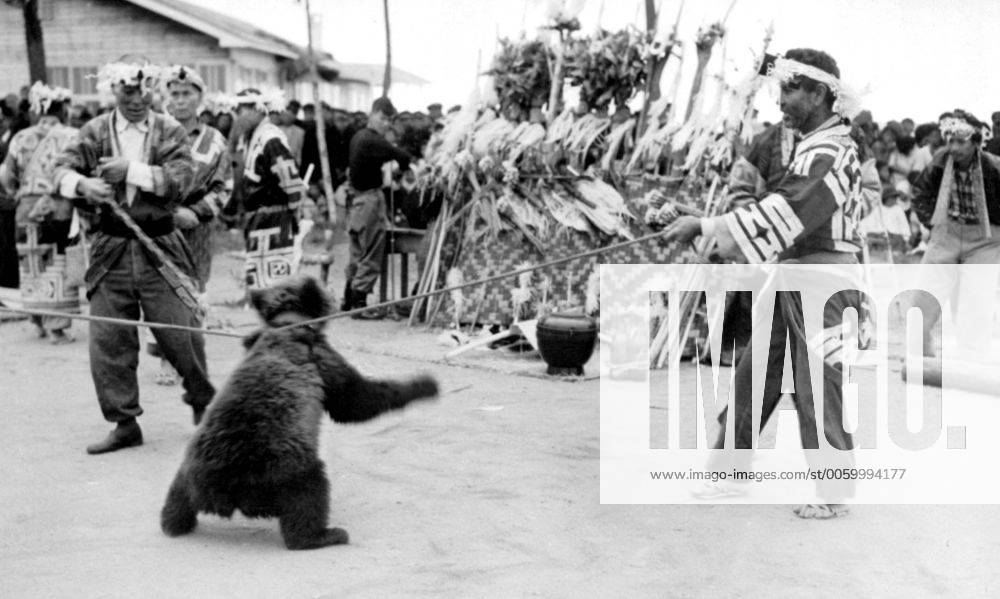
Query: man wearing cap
(140,160)
(367,219)
(434,112)
(26,173)
(207,196)
(958,197)
(811,217)
(272,193)
(286,121)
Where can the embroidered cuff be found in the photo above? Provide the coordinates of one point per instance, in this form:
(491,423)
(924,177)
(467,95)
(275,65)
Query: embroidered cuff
(140,175)
(707,227)
(68,183)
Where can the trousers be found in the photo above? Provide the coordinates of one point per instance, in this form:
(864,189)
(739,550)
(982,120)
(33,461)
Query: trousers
(840,441)
(132,288)
(366,226)
(972,293)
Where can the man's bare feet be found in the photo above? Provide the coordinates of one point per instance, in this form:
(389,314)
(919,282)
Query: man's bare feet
(821,511)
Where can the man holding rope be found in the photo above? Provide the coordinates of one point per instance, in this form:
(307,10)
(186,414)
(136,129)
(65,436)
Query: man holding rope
(810,218)
(133,166)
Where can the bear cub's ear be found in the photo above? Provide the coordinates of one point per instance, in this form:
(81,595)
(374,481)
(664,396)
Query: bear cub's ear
(258,299)
(313,300)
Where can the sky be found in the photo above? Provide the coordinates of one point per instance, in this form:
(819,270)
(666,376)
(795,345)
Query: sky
(914,58)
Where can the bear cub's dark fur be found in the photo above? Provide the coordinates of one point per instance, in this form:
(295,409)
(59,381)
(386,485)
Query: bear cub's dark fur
(256,449)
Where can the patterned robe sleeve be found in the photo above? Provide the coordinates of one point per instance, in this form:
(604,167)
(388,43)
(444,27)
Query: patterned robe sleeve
(171,165)
(817,184)
(78,160)
(213,197)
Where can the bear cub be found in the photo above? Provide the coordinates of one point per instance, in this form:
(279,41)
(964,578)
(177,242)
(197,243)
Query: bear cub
(256,450)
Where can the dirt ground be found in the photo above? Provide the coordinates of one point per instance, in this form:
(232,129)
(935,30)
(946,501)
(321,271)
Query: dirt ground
(491,491)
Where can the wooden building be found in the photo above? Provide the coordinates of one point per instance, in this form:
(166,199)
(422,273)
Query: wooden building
(81,35)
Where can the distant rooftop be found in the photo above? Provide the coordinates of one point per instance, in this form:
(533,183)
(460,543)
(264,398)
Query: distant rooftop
(372,73)
(234,33)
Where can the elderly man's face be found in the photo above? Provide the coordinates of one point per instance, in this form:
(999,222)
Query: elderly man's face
(798,105)
(133,102)
(184,101)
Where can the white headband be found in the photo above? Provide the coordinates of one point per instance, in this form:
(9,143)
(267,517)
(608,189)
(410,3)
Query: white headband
(951,126)
(847,102)
(219,103)
(42,96)
(182,74)
(146,76)
(267,100)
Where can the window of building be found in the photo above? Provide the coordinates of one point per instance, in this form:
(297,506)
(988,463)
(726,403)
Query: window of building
(57,76)
(214,76)
(83,80)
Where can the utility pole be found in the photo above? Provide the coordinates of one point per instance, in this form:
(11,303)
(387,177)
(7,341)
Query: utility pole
(387,75)
(324,161)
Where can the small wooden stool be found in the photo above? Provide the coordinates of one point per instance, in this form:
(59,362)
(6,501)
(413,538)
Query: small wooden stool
(402,241)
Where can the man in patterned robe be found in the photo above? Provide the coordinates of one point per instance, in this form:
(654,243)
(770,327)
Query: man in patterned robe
(140,160)
(272,192)
(42,215)
(810,218)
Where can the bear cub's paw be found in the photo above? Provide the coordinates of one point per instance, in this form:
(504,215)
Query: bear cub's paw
(423,387)
(326,538)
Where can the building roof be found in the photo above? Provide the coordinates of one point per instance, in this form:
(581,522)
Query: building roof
(372,73)
(231,33)
(234,33)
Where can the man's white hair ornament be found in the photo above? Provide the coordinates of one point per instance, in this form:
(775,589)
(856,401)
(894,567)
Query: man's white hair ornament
(848,100)
(268,99)
(145,76)
(41,96)
(962,125)
(179,73)
(219,103)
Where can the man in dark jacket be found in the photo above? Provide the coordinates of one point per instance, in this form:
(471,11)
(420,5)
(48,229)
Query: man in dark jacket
(367,219)
(958,196)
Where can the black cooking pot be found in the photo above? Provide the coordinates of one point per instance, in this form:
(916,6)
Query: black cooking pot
(566,341)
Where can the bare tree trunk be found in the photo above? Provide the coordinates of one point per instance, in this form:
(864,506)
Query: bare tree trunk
(387,76)
(33,40)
